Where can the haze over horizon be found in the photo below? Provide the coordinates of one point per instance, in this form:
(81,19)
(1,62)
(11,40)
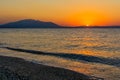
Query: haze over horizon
(62,12)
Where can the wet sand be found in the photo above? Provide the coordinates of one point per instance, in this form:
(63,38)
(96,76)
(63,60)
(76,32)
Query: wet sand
(20,69)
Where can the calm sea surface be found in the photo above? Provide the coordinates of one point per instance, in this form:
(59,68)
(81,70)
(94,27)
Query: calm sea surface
(95,52)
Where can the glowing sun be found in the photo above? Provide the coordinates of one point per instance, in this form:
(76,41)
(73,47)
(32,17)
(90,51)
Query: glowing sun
(87,25)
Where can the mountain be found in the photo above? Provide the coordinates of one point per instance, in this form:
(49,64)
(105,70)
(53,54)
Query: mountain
(30,23)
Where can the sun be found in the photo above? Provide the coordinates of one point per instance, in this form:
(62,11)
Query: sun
(87,25)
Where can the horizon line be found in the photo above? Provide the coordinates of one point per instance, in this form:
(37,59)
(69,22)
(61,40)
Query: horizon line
(77,26)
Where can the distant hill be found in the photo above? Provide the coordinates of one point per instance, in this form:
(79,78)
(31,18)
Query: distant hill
(30,23)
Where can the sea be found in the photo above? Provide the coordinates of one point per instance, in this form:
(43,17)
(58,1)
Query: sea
(91,51)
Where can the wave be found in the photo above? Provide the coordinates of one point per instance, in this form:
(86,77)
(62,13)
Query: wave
(93,59)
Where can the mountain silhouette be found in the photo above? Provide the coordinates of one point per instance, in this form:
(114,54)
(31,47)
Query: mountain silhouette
(30,23)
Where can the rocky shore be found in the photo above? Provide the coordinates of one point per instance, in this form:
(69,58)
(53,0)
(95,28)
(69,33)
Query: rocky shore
(6,74)
(12,68)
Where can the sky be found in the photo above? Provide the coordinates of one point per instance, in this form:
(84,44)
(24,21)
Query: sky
(62,12)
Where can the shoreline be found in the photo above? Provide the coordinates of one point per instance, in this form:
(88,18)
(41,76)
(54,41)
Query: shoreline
(26,70)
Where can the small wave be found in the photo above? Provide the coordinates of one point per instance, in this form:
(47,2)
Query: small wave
(92,59)
(105,48)
(72,46)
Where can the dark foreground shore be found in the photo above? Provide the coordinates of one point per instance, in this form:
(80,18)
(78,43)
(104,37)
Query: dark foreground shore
(12,68)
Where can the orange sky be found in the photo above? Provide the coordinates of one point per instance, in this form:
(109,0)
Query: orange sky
(62,12)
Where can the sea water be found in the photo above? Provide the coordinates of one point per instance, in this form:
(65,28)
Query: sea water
(92,51)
